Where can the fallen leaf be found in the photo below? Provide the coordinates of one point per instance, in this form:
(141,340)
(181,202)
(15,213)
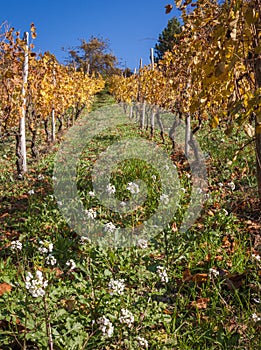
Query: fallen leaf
(174,227)
(200,303)
(167,312)
(235,281)
(5,288)
(198,277)
(186,275)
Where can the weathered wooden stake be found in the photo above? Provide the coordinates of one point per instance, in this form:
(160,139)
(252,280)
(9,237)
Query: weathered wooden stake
(21,139)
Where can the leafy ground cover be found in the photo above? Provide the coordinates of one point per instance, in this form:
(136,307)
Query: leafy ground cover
(194,290)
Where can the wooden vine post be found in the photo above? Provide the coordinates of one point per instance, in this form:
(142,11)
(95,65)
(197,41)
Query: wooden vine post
(53,111)
(257,71)
(21,139)
(152,118)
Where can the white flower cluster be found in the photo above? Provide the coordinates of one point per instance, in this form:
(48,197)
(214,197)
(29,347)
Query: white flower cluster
(161,271)
(71,264)
(92,194)
(257,257)
(213,272)
(50,260)
(16,245)
(256,318)
(133,188)
(126,317)
(109,227)
(142,243)
(46,247)
(111,189)
(225,211)
(164,198)
(116,286)
(154,177)
(143,342)
(105,326)
(36,285)
(85,240)
(231,185)
(91,214)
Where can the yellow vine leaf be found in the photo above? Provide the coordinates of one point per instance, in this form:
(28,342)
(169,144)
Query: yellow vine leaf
(214,122)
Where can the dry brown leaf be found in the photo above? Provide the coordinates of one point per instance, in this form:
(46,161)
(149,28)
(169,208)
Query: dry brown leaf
(208,257)
(174,227)
(186,275)
(198,277)
(218,258)
(200,303)
(5,288)
(235,281)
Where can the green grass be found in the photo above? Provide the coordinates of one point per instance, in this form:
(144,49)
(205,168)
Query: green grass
(192,309)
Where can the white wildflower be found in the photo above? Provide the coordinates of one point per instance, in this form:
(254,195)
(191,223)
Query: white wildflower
(111,189)
(40,177)
(92,194)
(256,318)
(50,260)
(225,212)
(46,247)
(213,272)
(220,184)
(231,185)
(142,243)
(105,326)
(116,286)
(91,214)
(154,177)
(16,245)
(143,342)
(30,192)
(71,264)
(43,250)
(36,287)
(54,178)
(164,198)
(126,317)
(133,188)
(161,271)
(257,300)
(256,256)
(109,227)
(20,176)
(85,240)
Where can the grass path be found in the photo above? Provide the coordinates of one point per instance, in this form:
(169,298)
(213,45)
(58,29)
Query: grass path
(193,290)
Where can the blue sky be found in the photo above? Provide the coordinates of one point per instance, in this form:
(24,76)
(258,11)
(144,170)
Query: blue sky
(132,27)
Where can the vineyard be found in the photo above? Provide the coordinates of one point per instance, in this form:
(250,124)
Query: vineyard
(167,159)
